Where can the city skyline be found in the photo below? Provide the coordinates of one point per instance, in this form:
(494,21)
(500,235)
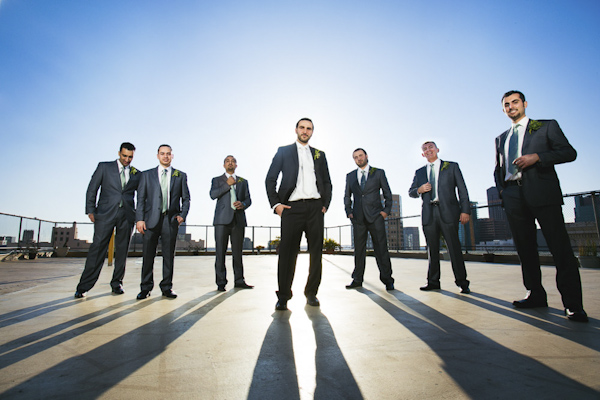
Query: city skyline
(232,78)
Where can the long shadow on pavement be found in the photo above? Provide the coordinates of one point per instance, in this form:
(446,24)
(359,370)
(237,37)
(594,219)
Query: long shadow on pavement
(89,375)
(481,367)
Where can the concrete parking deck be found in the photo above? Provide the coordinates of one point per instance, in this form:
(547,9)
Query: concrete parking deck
(360,344)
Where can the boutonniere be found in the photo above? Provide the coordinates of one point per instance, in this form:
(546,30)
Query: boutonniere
(175,173)
(317,154)
(133,171)
(371,170)
(444,165)
(534,125)
(240,179)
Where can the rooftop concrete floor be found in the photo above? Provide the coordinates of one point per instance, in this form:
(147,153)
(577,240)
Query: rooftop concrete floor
(360,344)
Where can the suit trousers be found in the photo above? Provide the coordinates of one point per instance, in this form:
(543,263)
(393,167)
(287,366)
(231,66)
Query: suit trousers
(223,233)
(521,218)
(382,255)
(432,233)
(303,216)
(166,230)
(99,249)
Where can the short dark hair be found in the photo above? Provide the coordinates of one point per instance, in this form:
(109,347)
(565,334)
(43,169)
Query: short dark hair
(510,93)
(360,149)
(429,141)
(305,119)
(225,160)
(164,145)
(126,146)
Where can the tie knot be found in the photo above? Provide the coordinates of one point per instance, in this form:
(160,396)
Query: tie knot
(164,171)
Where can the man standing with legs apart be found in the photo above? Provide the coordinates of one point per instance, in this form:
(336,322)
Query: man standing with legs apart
(368,215)
(529,187)
(163,204)
(233,197)
(115,209)
(301,201)
(436,184)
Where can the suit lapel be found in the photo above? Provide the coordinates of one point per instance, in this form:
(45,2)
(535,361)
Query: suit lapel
(501,146)
(526,139)
(115,176)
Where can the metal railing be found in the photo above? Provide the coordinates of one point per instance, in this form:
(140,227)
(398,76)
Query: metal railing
(487,232)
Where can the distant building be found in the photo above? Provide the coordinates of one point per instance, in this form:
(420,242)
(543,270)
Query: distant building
(7,240)
(411,239)
(587,208)
(28,236)
(393,225)
(248,245)
(67,237)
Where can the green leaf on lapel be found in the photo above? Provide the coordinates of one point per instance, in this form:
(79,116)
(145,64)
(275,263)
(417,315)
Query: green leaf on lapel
(534,125)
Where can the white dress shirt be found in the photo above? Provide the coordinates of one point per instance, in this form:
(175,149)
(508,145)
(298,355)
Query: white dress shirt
(359,173)
(436,170)
(169,173)
(127,169)
(306,184)
(521,132)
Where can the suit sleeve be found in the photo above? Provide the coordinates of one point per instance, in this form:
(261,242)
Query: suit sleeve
(218,188)
(271,180)
(326,196)
(141,198)
(463,194)
(387,193)
(185,196)
(92,190)
(348,197)
(560,150)
(247,200)
(413,191)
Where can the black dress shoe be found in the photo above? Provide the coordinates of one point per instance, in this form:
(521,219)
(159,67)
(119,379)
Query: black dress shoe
(221,288)
(354,285)
(243,285)
(144,294)
(281,305)
(389,286)
(465,289)
(118,290)
(170,294)
(577,316)
(429,287)
(312,301)
(80,295)
(530,303)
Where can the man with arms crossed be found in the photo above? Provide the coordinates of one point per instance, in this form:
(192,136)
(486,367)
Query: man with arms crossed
(301,201)
(529,187)
(233,197)
(163,204)
(364,185)
(118,181)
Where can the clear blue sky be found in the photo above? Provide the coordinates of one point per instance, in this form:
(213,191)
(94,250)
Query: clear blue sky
(213,78)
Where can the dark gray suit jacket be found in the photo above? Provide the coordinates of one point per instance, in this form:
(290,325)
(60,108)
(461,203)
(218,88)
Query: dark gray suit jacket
(367,205)
(450,178)
(286,162)
(540,182)
(224,214)
(150,197)
(108,179)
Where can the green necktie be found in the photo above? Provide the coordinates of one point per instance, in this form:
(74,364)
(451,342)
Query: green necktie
(513,150)
(123,179)
(432,180)
(233,196)
(165,190)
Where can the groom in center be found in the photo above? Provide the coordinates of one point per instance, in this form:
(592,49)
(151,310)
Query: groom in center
(301,201)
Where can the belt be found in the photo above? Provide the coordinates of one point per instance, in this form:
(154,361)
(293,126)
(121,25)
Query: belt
(304,200)
(517,182)
(435,203)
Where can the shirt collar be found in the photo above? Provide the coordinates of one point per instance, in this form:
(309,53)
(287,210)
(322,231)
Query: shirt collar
(121,166)
(366,169)
(301,146)
(523,122)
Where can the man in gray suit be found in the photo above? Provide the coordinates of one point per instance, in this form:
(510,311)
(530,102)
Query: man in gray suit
(118,181)
(368,215)
(436,183)
(163,204)
(233,197)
